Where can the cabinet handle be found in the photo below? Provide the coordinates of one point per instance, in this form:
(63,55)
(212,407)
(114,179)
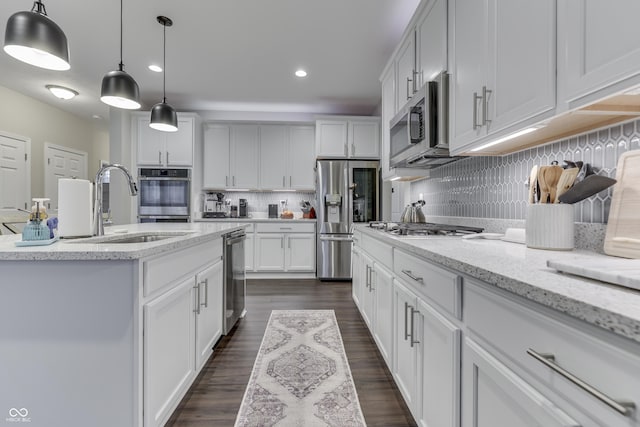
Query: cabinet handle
(197,288)
(226,180)
(234,180)
(410,274)
(408,81)
(282,243)
(485,105)
(406,329)
(624,407)
(206,293)
(371,273)
(413,340)
(167,158)
(476,98)
(286,228)
(289,243)
(367,277)
(159,157)
(283,178)
(353,149)
(290,181)
(417,85)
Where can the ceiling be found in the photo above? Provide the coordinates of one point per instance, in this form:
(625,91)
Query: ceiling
(224,55)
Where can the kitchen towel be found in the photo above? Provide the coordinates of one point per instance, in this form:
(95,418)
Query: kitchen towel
(75,217)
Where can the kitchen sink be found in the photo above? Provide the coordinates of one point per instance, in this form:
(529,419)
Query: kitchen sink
(143,237)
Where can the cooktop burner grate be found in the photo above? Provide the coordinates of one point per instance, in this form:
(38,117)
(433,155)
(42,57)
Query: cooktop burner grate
(424,229)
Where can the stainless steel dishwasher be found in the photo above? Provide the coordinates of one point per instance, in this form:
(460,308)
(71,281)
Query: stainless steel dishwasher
(234,278)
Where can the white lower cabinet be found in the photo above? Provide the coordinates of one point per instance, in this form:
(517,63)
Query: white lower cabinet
(357,282)
(494,396)
(383,308)
(368,293)
(405,368)
(270,252)
(209,293)
(300,253)
(285,247)
(249,244)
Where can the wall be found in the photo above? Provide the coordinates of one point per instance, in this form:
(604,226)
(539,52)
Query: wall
(495,187)
(41,122)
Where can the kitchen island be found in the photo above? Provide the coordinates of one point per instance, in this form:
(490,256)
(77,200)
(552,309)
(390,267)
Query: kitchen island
(482,333)
(108,334)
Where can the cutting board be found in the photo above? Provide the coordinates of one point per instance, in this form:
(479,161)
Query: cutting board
(619,271)
(623,228)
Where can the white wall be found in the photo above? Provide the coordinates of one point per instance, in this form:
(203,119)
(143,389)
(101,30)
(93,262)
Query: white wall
(41,122)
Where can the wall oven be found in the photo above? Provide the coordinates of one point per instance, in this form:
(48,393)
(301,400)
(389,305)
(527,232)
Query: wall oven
(419,132)
(165,195)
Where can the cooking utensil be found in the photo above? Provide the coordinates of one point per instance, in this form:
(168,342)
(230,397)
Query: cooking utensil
(589,186)
(548,177)
(567,178)
(533,183)
(623,227)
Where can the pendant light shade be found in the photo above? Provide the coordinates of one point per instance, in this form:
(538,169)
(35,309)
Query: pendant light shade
(119,89)
(33,38)
(163,115)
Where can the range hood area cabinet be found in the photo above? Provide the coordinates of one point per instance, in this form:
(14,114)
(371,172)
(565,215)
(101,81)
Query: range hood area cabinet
(258,156)
(164,149)
(348,137)
(503,67)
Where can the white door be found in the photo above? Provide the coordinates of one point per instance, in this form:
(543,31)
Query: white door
(364,139)
(216,157)
(404,358)
(357,279)
(273,157)
(301,252)
(368,292)
(61,162)
(179,144)
(150,144)
(383,328)
(14,179)
(431,40)
(331,138)
(269,252)
(209,314)
(405,66)
(244,156)
(248,252)
(301,157)
(388,111)
(439,365)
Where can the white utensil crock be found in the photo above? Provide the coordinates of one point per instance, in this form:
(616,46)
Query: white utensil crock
(550,226)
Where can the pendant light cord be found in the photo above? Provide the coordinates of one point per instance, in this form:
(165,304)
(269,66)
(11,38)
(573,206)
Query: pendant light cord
(121,64)
(164,64)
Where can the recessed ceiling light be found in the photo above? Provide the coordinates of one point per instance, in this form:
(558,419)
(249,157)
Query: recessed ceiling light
(155,68)
(62,92)
(301,73)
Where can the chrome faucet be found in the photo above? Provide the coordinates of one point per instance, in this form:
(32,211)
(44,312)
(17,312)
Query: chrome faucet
(98,226)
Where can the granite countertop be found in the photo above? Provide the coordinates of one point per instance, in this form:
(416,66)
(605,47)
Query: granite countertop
(182,235)
(523,271)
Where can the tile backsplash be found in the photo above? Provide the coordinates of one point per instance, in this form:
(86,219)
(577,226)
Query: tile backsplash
(495,187)
(260,201)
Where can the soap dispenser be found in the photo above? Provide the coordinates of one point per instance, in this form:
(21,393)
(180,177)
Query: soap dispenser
(36,228)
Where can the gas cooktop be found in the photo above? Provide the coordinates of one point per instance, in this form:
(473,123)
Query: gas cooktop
(423,229)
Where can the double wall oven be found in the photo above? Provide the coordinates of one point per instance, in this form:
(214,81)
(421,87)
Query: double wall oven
(164,195)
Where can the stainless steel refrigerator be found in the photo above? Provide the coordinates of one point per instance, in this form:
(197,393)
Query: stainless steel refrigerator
(347,191)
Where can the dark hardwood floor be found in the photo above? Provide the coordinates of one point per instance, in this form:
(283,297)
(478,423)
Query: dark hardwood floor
(215,396)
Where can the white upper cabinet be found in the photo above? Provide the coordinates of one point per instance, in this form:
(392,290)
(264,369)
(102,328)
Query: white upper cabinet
(301,157)
(503,68)
(243,159)
(273,158)
(599,49)
(405,70)
(164,149)
(431,42)
(348,137)
(216,156)
(286,157)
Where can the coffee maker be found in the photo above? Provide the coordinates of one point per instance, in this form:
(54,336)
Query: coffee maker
(215,206)
(242,208)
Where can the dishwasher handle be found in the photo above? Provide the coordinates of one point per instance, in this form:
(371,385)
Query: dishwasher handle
(235,237)
(336,238)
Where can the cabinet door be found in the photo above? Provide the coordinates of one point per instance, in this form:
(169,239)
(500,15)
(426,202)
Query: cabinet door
(495,396)
(209,314)
(150,144)
(600,47)
(249,252)
(522,65)
(331,139)
(383,327)
(405,66)
(244,156)
(273,157)
(301,157)
(368,293)
(357,279)
(431,40)
(469,70)
(364,140)
(179,144)
(168,351)
(404,352)
(216,157)
(387,113)
(269,252)
(300,252)
(439,366)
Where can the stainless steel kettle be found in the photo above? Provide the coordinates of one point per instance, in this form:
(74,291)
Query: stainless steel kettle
(413,212)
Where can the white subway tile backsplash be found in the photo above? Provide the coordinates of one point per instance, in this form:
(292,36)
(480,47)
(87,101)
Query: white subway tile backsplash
(495,187)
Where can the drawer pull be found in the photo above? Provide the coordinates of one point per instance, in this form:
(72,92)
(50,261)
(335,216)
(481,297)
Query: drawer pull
(624,407)
(410,274)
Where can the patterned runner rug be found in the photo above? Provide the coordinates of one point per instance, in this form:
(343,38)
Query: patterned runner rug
(301,376)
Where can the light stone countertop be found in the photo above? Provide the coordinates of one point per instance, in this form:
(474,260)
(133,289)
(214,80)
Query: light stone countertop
(84,249)
(523,271)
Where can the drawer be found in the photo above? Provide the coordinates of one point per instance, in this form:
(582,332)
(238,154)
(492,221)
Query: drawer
(438,285)
(285,227)
(517,331)
(380,251)
(164,270)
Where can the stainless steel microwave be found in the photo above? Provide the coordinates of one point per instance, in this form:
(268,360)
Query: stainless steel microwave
(419,134)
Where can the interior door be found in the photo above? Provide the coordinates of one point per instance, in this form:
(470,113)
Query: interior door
(61,162)
(14,191)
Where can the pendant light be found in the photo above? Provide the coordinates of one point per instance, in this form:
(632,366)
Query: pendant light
(163,116)
(33,38)
(119,89)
